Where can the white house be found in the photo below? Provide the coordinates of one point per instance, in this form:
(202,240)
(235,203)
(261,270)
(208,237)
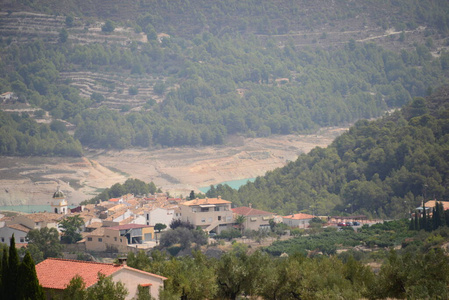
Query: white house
(18,230)
(297,220)
(159,215)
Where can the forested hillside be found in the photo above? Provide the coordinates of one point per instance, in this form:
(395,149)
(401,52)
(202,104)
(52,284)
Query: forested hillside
(183,18)
(222,70)
(381,168)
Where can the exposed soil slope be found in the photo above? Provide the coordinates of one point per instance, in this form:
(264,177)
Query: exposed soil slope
(177,170)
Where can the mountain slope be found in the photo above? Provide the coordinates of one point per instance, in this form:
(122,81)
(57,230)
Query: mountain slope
(380,168)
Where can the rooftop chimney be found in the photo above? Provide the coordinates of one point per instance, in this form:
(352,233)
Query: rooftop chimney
(250,205)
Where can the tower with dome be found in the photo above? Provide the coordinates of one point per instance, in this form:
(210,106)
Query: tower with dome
(59,204)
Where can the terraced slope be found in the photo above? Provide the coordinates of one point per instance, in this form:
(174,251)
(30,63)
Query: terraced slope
(26,26)
(114,87)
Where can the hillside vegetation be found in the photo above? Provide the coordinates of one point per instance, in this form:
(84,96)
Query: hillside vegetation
(225,68)
(381,168)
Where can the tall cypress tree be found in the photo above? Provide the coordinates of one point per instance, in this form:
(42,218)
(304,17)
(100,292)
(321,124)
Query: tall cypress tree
(29,284)
(442,217)
(417,221)
(412,224)
(4,273)
(435,218)
(424,217)
(11,284)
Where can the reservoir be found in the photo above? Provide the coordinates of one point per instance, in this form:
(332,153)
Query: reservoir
(29,208)
(235,184)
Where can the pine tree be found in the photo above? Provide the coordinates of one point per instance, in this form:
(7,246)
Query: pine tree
(29,284)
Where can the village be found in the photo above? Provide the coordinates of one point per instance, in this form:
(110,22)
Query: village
(130,223)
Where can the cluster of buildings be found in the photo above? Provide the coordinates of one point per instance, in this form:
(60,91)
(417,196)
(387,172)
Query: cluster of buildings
(127,223)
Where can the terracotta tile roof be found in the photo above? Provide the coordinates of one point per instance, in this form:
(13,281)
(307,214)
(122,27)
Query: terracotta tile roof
(117,208)
(4,219)
(95,225)
(126,221)
(431,204)
(19,227)
(44,217)
(298,216)
(206,201)
(248,211)
(56,273)
(97,232)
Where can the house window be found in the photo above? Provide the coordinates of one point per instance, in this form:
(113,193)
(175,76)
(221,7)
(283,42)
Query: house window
(204,209)
(22,240)
(115,239)
(37,223)
(219,218)
(216,208)
(3,239)
(203,220)
(120,240)
(148,216)
(89,239)
(100,239)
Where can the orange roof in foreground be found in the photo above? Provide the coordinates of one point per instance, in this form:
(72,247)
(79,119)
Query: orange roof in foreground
(298,216)
(56,273)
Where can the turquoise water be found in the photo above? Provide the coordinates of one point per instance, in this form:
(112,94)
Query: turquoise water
(29,208)
(235,184)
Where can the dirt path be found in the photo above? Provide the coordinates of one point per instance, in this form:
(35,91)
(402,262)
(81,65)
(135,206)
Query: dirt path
(32,180)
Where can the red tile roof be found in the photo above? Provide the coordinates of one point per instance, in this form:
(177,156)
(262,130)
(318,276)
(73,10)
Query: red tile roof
(249,211)
(55,273)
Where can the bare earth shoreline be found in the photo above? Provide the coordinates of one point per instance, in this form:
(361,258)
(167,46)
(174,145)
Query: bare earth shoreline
(32,180)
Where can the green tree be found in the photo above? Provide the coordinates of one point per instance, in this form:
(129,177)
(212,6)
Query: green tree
(159,227)
(71,227)
(44,243)
(63,35)
(75,290)
(29,287)
(143,293)
(191,278)
(109,26)
(12,283)
(106,289)
(240,221)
